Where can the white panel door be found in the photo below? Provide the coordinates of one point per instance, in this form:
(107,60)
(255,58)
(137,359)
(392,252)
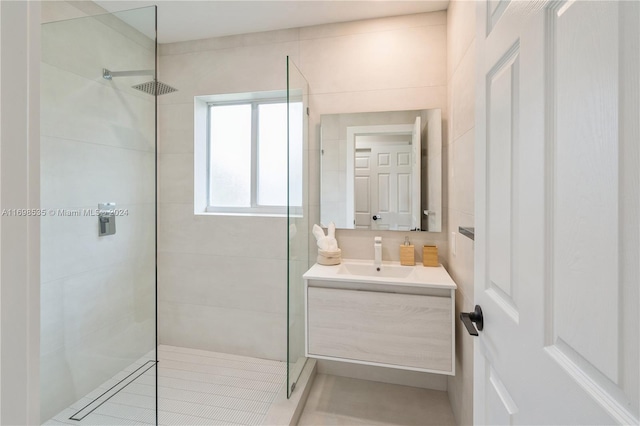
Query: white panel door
(362,189)
(557,217)
(391,186)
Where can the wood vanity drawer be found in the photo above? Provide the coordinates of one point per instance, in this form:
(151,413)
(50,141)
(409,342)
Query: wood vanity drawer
(407,330)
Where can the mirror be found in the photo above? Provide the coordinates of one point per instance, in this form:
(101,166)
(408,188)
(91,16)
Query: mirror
(382,170)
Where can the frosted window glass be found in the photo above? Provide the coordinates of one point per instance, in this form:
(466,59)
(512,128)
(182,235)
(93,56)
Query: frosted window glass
(272,154)
(230,156)
(296,121)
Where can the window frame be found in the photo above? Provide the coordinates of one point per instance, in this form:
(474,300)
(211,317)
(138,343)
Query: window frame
(254,209)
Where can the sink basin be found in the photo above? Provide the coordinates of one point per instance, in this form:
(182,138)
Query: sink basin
(386,271)
(357,273)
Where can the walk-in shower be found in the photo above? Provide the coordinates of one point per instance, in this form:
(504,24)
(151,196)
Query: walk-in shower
(153,87)
(98,277)
(119,309)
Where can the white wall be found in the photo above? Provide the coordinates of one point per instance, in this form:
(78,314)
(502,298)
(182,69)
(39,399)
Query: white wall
(222,279)
(388,64)
(98,145)
(461,80)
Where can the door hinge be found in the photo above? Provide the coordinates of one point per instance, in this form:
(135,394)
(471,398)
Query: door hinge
(307,110)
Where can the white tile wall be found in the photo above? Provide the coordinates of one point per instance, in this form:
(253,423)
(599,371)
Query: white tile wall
(239,69)
(386,59)
(396,63)
(373,25)
(257,237)
(101,115)
(214,281)
(242,331)
(461,76)
(97,145)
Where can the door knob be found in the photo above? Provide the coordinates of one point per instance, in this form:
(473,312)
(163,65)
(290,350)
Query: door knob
(468,318)
(376,217)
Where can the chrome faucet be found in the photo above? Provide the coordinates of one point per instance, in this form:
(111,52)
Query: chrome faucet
(377,251)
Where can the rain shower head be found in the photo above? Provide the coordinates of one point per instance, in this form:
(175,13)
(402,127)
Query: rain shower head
(153,87)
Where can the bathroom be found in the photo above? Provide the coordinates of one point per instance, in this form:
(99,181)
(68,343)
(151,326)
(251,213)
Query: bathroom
(187,286)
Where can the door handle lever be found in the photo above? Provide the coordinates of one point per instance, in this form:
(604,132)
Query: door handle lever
(468,318)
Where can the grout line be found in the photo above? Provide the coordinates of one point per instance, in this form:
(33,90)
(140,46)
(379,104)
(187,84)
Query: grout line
(199,392)
(96,81)
(464,54)
(206,354)
(298,39)
(99,17)
(222,375)
(257,371)
(201,417)
(351,92)
(260,367)
(200,373)
(246,411)
(385,89)
(149,151)
(218,307)
(402,28)
(241,45)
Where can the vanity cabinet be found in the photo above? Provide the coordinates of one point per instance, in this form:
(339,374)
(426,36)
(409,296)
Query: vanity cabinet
(388,324)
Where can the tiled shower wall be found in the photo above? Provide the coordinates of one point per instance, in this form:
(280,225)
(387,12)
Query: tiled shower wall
(97,145)
(461,24)
(221,280)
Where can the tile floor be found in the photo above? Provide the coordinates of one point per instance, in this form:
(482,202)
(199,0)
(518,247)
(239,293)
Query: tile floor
(195,387)
(337,400)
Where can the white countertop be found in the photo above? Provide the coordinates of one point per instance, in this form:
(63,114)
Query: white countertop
(396,274)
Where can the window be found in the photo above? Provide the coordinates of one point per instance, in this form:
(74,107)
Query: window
(247,156)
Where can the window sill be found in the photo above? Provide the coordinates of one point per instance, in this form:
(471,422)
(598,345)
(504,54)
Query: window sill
(246,214)
(249,214)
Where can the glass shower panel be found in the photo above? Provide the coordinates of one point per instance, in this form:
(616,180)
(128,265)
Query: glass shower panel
(98,230)
(297,217)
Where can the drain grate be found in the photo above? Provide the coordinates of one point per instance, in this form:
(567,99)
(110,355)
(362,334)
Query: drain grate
(111,392)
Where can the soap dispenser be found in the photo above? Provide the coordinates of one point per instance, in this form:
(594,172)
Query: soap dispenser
(407,253)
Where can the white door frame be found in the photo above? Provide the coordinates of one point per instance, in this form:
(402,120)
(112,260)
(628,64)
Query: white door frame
(20,189)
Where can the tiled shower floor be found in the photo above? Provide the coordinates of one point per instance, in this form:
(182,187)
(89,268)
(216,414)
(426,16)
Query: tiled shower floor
(195,387)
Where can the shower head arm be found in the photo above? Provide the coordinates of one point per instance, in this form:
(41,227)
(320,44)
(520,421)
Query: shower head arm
(108,75)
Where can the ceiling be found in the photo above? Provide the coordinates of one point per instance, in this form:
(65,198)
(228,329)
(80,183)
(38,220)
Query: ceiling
(192,20)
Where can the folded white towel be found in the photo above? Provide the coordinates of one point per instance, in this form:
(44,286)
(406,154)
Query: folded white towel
(326,242)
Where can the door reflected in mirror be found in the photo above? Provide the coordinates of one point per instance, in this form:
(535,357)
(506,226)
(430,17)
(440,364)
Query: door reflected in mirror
(382,170)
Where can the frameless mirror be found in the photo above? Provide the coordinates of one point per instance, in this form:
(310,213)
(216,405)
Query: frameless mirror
(382,170)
